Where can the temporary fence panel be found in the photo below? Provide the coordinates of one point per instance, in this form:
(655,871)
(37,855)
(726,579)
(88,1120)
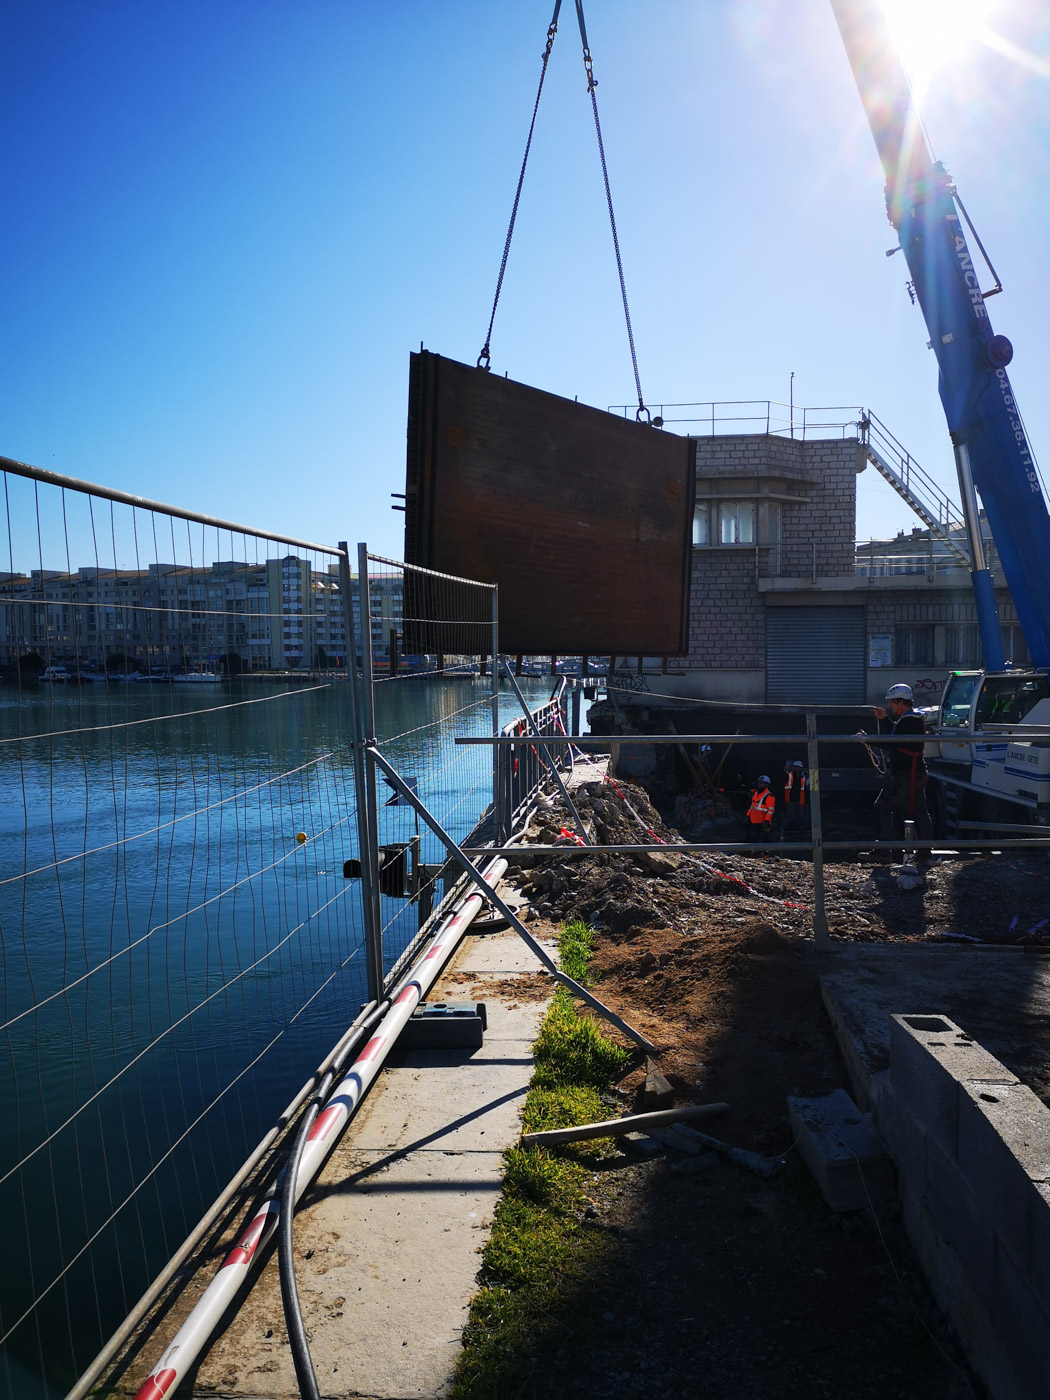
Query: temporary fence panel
(180,948)
(815,652)
(417,702)
(523,769)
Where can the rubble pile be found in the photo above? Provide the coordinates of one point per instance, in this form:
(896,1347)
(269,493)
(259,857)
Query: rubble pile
(623,893)
(1002,898)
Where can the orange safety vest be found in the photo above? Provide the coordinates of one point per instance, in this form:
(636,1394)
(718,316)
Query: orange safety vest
(801,788)
(761,809)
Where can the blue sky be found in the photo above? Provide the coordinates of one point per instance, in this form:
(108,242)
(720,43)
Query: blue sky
(228,223)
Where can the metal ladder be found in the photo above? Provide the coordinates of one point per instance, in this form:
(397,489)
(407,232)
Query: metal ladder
(935,509)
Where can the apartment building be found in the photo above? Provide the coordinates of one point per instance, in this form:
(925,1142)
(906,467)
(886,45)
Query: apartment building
(279,614)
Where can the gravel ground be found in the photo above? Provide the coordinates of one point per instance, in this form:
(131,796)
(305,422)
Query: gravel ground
(725,1284)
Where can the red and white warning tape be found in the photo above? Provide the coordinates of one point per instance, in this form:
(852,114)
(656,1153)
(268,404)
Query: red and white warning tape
(703,864)
(189,1340)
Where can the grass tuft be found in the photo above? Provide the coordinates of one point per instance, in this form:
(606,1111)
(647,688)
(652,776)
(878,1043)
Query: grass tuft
(538,1248)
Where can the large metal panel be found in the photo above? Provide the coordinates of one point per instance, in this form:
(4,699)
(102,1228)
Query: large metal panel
(583,519)
(815,656)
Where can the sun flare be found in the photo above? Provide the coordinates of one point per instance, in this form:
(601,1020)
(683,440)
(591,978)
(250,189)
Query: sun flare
(930,33)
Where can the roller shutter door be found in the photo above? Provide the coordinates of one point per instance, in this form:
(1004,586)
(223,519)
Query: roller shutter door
(815,656)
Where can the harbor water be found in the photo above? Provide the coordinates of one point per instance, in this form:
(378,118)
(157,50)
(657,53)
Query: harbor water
(180,949)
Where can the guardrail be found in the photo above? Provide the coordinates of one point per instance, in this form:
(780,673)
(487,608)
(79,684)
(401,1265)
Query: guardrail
(520,768)
(765,416)
(817,845)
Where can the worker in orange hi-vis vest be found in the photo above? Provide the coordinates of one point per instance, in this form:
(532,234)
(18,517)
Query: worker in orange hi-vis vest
(760,811)
(793,814)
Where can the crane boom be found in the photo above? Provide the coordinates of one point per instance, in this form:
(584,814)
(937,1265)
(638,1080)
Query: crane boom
(988,437)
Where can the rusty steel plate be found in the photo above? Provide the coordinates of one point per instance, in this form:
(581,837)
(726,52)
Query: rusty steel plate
(584,520)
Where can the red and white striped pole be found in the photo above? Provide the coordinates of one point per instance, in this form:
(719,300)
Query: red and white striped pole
(191,1337)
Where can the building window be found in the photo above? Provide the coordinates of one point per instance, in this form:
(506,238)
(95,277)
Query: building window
(702,525)
(962,645)
(1015,646)
(736,522)
(914,644)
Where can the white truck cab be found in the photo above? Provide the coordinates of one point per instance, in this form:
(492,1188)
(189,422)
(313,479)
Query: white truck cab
(1018,770)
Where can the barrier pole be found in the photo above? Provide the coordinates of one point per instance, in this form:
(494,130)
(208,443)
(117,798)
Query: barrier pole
(541,749)
(512,918)
(373,935)
(820,918)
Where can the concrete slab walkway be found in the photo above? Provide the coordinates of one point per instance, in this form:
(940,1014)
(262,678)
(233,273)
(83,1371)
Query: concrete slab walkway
(387,1238)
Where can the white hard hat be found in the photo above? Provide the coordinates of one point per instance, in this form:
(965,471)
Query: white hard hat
(764,778)
(899,692)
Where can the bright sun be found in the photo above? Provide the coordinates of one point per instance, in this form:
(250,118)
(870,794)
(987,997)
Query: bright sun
(930,33)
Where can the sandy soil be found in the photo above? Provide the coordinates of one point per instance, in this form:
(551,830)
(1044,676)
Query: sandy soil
(724,1284)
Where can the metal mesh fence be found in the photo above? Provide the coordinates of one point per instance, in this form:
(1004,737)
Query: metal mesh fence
(179,946)
(427,652)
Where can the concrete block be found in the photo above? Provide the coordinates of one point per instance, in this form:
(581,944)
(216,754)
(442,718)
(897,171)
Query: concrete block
(905,1139)
(657,1092)
(843,1151)
(1039,1272)
(929,1055)
(961,1218)
(445,1025)
(1022,1327)
(693,1166)
(1004,1153)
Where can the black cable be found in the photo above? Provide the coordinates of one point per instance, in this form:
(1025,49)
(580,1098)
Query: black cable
(592,83)
(305,1375)
(484,359)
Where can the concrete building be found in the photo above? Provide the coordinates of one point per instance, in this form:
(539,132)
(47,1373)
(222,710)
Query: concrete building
(785,607)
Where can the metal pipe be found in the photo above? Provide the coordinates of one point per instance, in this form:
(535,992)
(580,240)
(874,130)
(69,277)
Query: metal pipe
(551,765)
(512,918)
(293,1317)
(190,1339)
(570,850)
(603,741)
(497,818)
(820,917)
(370,823)
(134,1319)
(373,933)
(107,493)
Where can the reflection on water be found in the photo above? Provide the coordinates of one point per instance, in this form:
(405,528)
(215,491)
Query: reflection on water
(188,958)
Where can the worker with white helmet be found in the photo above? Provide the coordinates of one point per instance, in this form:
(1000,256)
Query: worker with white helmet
(903,795)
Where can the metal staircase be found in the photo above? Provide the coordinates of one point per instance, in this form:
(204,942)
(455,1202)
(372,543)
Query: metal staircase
(937,511)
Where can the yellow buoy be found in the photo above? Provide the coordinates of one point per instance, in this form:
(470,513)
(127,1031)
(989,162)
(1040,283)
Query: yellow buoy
(300,836)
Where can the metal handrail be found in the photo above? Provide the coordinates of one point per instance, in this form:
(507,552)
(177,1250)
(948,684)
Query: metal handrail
(776,419)
(108,493)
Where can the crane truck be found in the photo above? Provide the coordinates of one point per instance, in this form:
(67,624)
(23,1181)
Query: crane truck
(998,779)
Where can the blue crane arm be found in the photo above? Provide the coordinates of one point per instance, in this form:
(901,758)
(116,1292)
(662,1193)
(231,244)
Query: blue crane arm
(983,419)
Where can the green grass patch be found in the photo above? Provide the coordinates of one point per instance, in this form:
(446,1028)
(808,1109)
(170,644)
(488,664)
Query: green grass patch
(539,1248)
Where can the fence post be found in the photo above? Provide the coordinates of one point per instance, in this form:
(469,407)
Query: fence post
(368,717)
(574,723)
(497,813)
(373,935)
(820,918)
